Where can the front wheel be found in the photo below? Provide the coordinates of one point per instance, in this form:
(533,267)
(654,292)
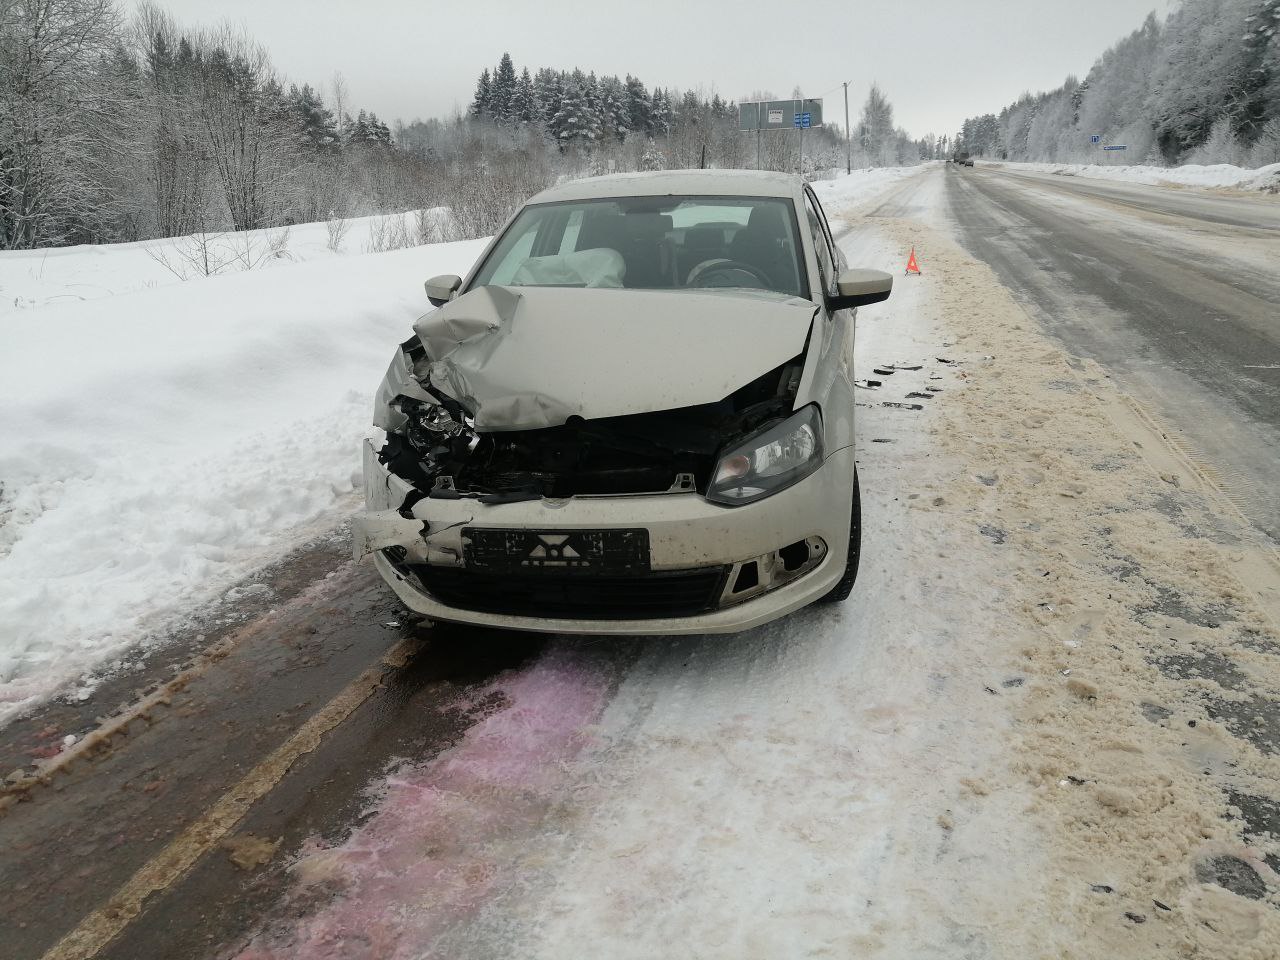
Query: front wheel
(845,584)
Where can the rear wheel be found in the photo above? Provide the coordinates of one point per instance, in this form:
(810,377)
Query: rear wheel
(845,584)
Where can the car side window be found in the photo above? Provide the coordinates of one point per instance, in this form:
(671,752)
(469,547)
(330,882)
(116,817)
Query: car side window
(821,245)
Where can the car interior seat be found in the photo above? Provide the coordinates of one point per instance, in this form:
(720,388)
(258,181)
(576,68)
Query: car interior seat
(700,244)
(764,243)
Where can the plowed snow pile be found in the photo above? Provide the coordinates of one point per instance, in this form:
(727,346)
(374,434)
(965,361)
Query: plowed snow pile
(1220,175)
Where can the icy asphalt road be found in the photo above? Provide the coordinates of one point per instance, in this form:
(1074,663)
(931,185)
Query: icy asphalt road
(1175,292)
(1006,744)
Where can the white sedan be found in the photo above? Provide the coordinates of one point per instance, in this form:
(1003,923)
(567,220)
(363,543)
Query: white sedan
(634,416)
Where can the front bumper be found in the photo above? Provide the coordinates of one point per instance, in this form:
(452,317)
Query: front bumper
(685,531)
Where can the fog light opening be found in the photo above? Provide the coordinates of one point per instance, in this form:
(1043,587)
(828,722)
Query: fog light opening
(794,556)
(751,578)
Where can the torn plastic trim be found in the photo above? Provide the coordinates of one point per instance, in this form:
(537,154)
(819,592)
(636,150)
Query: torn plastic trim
(749,579)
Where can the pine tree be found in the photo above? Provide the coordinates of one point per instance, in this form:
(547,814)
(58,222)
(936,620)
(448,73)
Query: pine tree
(502,90)
(359,133)
(524,102)
(1260,95)
(312,118)
(549,91)
(660,114)
(574,121)
(615,122)
(481,105)
(637,104)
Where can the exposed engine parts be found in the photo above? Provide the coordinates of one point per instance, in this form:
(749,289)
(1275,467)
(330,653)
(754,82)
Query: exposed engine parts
(438,450)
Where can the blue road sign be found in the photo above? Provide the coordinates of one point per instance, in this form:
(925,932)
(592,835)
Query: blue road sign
(803,120)
(1095,139)
(1115,146)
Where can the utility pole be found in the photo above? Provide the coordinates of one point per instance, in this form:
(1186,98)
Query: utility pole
(848,161)
(801,126)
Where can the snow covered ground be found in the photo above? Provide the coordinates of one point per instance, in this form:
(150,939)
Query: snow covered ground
(1188,175)
(161,439)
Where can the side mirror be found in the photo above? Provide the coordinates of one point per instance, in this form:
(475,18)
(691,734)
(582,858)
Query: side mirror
(440,289)
(859,288)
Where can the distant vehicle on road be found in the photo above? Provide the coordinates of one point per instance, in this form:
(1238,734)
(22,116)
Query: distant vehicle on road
(634,416)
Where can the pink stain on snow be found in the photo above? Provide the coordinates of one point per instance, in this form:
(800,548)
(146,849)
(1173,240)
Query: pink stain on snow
(432,850)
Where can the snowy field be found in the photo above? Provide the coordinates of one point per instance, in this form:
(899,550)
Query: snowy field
(1220,175)
(162,439)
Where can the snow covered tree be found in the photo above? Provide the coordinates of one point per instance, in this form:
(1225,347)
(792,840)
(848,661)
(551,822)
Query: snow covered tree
(574,121)
(615,121)
(502,91)
(661,114)
(875,129)
(60,121)
(482,103)
(313,119)
(638,105)
(548,91)
(523,101)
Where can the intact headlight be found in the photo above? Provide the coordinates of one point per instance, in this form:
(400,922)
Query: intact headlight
(769,461)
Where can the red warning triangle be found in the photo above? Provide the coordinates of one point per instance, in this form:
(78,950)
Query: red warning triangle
(912,266)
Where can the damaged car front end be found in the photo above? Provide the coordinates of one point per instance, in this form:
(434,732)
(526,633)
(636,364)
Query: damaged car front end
(602,459)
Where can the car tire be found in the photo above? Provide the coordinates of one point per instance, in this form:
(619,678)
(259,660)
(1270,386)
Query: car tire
(845,584)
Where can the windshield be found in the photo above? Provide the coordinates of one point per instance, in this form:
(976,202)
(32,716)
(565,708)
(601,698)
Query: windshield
(652,243)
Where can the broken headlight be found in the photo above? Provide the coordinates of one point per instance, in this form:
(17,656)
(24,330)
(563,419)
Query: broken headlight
(769,461)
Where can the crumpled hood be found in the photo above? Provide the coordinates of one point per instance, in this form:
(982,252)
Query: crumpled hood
(523,358)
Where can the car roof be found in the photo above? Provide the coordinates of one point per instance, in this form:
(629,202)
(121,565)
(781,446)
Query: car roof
(723,183)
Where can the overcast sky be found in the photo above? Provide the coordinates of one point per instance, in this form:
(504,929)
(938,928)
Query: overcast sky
(939,61)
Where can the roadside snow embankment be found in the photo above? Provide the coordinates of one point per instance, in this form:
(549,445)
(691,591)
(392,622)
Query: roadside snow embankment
(1219,175)
(848,190)
(158,445)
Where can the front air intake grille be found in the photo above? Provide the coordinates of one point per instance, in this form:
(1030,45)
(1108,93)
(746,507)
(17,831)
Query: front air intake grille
(653,595)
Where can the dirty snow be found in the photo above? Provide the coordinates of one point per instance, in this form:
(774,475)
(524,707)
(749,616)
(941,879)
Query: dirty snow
(162,439)
(1188,175)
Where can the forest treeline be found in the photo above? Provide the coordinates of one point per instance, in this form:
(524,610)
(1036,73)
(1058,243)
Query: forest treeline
(1201,86)
(123,125)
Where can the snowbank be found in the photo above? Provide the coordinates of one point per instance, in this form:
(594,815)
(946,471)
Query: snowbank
(36,278)
(1188,175)
(160,442)
(844,189)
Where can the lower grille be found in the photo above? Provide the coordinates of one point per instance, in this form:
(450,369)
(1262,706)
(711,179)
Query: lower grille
(676,593)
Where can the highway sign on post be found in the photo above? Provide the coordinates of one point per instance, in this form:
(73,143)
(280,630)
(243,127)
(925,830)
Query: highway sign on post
(803,113)
(778,114)
(1095,139)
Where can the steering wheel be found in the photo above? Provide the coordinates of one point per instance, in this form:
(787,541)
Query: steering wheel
(727,273)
